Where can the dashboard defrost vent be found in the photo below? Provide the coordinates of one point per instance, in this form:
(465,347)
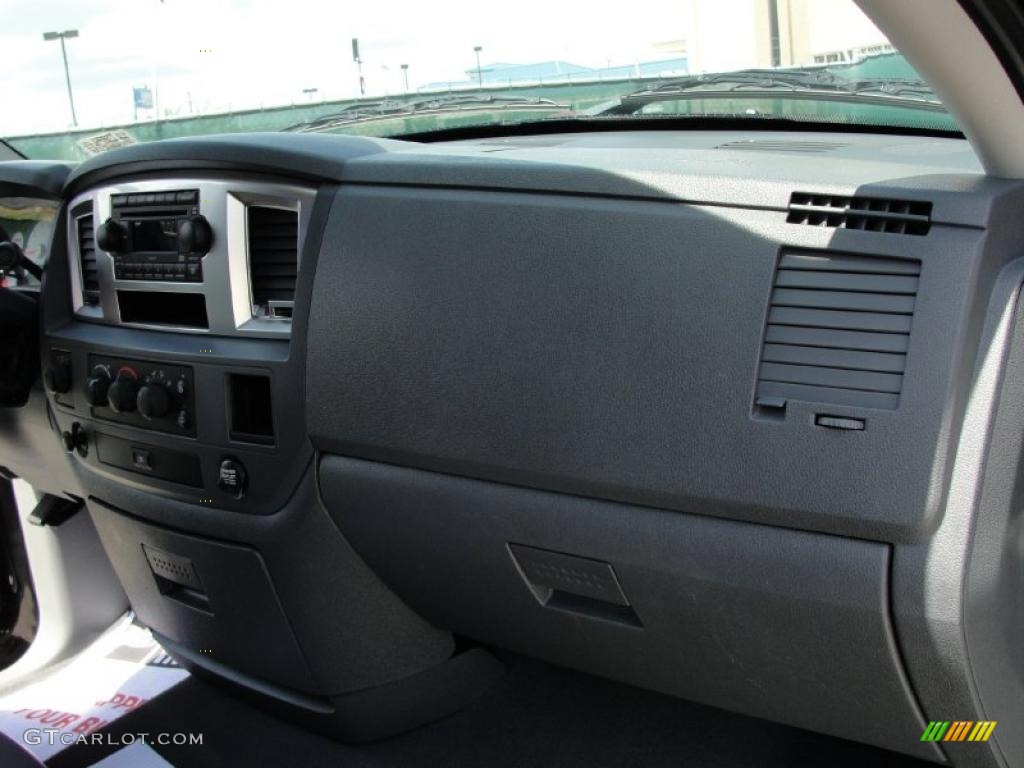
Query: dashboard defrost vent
(87,260)
(782,145)
(838,330)
(273,236)
(874,214)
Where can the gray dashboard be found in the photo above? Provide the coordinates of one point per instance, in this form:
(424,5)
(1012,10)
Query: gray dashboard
(727,366)
(610,347)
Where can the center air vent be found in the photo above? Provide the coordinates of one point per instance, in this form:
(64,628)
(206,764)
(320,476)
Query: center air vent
(87,260)
(874,214)
(838,330)
(273,236)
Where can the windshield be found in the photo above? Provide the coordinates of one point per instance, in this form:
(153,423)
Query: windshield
(91,76)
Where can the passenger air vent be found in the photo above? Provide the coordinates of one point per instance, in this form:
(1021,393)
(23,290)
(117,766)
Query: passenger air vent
(838,330)
(273,236)
(87,260)
(874,214)
(782,145)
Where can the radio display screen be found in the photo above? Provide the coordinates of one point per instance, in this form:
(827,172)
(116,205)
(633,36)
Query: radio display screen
(154,235)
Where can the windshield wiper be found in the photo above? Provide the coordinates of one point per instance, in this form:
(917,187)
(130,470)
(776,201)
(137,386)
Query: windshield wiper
(788,84)
(365,112)
(8,152)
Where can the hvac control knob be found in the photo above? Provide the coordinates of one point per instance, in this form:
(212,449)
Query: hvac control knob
(194,235)
(122,393)
(111,236)
(96,387)
(153,401)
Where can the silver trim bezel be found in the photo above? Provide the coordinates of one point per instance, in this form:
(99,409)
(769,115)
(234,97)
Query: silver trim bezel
(226,285)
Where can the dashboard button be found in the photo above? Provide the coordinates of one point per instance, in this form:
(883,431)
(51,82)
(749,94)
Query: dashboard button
(57,377)
(80,437)
(142,459)
(232,477)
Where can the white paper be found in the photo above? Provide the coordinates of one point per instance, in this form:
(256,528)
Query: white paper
(114,676)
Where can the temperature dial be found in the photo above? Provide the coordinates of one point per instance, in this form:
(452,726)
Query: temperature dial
(154,400)
(123,391)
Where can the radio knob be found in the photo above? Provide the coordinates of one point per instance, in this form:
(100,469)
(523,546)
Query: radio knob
(96,387)
(111,236)
(154,401)
(194,235)
(121,394)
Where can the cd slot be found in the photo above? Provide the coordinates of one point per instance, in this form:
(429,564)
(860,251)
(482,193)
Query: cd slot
(182,310)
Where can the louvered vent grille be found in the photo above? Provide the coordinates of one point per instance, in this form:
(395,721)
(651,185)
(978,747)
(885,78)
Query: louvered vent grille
(273,258)
(782,145)
(838,330)
(87,260)
(874,214)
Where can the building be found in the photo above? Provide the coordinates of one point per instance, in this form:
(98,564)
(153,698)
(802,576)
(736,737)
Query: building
(738,34)
(822,32)
(716,36)
(499,75)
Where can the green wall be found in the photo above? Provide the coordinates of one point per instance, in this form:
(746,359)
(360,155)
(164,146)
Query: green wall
(583,95)
(64,146)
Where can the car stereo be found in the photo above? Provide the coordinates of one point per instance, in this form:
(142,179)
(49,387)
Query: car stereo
(156,236)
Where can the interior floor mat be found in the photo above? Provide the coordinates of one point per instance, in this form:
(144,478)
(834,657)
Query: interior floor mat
(537,715)
(120,672)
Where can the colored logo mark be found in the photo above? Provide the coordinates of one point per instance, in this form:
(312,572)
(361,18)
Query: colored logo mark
(958,730)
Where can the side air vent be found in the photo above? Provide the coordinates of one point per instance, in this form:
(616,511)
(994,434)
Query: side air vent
(87,260)
(838,330)
(782,145)
(273,237)
(874,214)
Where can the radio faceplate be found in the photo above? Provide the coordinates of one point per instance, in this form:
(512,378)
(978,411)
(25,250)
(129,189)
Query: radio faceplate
(222,280)
(155,235)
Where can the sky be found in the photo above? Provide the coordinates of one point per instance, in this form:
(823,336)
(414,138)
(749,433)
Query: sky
(204,56)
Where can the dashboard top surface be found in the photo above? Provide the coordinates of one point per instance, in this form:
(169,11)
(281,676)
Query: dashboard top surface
(757,169)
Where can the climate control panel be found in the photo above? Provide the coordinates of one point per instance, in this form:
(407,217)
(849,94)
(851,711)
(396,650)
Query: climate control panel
(151,395)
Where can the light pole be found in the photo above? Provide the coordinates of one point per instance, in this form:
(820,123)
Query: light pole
(405,76)
(479,72)
(67,33)
(358,59)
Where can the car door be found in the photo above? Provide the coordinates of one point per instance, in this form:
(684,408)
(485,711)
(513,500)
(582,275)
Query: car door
(53,582)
